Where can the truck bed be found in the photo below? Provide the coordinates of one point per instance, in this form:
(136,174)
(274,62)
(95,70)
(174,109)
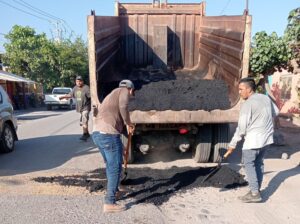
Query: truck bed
(176,37)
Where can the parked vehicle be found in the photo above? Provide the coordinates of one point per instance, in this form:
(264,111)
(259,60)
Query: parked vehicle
(179,37)
(8,124)
(52,100)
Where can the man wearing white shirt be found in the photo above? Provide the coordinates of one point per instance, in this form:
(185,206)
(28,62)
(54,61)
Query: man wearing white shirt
(255,126)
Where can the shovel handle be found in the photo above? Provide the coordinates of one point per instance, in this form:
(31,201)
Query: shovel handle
(127,150)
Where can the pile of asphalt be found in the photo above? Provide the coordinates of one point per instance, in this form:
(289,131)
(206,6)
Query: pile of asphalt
(152,185)
(181,94)
(157,187)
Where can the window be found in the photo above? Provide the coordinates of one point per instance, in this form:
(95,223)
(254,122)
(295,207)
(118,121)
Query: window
(61,91)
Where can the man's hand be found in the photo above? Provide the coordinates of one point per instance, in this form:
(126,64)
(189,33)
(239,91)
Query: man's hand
(130,128)
(229,151)
(65,97)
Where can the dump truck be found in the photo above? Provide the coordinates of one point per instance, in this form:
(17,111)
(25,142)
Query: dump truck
(178,38)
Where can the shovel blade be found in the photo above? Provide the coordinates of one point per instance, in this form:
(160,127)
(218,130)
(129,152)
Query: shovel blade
(123,181)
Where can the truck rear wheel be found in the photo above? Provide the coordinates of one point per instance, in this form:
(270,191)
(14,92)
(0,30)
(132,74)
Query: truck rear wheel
(202,148)
(221,139)
(124,140)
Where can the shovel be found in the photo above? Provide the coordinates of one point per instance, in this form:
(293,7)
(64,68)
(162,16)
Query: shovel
(215,170)
(123,181)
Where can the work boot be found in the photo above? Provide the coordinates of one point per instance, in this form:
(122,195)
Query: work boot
(111,208)
(85,136)
(251,197)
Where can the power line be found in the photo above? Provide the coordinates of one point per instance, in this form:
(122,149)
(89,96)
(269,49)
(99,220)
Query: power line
(225,7)
(49,18)
(21,10)
(41,12)
(27,5)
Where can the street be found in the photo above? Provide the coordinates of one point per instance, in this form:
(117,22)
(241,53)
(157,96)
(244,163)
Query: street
(48,179)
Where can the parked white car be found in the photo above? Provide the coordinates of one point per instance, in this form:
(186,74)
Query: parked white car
(52,100)
(8,124)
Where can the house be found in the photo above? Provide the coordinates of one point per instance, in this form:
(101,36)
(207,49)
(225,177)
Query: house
(285,86)
(22,92)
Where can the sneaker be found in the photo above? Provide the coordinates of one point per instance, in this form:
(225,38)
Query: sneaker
(111,208)
(251,198)
(84,137)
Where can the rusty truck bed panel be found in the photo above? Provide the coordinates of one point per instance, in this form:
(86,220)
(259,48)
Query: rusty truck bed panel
(222,49)
(170,8)
(138,42)
(107,35)
(218,46)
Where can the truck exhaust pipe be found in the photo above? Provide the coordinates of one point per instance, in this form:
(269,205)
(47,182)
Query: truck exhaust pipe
(144,148)
(184,147)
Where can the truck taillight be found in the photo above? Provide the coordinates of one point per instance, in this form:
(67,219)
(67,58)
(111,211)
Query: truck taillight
(183,131)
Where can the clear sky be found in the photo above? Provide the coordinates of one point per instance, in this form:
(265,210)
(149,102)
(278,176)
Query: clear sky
(268,15)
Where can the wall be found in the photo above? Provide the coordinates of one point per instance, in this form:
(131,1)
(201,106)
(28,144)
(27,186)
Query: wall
(285,87)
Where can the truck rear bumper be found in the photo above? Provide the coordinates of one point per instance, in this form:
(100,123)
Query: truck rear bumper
(56,103)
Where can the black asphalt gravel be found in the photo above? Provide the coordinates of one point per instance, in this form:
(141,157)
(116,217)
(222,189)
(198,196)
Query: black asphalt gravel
(179,90)
(181,95)
(153,185)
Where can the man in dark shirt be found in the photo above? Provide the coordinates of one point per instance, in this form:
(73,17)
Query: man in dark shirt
(81,93)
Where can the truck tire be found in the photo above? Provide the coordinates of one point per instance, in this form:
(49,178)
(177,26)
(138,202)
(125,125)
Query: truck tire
(202,149)
(7,141)
(49,107)
(124,140)
(221,140)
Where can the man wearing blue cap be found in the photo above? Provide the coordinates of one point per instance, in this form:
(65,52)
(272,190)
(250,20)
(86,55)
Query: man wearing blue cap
(81,93)
(108,125)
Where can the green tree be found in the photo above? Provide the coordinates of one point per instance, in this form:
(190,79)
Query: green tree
(29,54)
(292,32)
(72,60)
(46,61)
(268,52)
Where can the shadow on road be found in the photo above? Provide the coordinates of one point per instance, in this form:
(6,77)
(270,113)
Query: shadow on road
(35,117)
(43,153)
(277,180)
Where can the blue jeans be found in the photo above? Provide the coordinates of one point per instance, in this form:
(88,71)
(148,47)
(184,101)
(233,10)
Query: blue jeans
(253,160)
(111,149)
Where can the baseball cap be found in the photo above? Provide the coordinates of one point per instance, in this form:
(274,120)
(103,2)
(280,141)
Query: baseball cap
(126,83)
(79,77)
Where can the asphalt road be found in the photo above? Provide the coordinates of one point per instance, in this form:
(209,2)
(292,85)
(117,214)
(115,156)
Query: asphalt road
(49,145)
(48,140)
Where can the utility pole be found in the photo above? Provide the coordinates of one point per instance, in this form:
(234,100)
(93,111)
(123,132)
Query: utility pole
(246,12)
(57,31)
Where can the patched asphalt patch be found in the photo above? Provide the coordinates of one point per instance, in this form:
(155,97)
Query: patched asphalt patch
(153,185)
(92,182)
